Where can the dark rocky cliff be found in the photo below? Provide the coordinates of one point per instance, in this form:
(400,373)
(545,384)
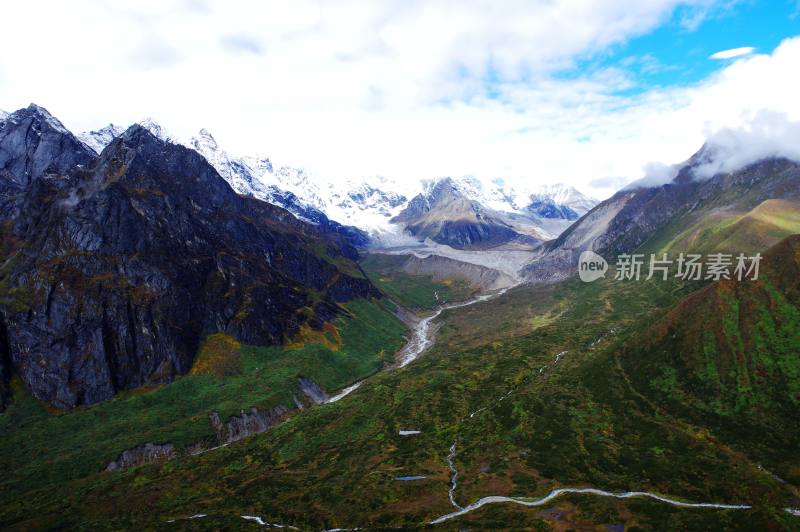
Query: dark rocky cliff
(114,269)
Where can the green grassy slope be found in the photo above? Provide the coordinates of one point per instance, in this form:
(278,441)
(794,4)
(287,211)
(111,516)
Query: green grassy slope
(595,418)
(415,292)
(41,447)
(729,357)
(734,232)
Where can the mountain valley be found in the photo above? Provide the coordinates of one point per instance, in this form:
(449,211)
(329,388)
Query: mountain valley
(201,341)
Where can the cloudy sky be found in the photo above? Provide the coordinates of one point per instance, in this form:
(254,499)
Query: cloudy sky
(594,93)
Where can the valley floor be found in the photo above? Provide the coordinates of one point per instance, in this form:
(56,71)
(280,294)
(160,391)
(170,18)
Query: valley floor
(523,414)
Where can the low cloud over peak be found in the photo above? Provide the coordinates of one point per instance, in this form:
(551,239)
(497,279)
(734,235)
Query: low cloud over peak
(769,134)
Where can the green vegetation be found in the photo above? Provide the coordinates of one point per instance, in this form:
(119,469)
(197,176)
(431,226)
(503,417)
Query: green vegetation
(599,417)
(415,292)
(729,231)
(684,389)
(41,447)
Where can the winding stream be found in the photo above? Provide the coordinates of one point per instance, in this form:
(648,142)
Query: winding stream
(421,339)
(492,499)
(561,491)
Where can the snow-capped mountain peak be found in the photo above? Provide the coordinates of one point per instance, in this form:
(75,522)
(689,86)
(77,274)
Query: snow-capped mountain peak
(98,139)
(244,175)
(565,195)
(3,114)
(47,117)
(372,203)
(156,129)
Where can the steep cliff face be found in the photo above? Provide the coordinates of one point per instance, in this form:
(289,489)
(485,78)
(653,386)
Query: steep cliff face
(34,144)
(114,271)
(145,454)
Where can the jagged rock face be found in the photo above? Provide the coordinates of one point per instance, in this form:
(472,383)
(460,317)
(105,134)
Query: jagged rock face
(116,272)
(33,144)
(366,195)
(146,454)
(446,216)
(246,424)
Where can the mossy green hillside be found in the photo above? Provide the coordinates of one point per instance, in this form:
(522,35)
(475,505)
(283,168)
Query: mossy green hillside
(592,419)
(40,446)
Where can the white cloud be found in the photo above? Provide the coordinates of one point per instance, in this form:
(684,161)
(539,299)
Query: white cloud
(397,88)
(655,174)
(769,134)
(733,52)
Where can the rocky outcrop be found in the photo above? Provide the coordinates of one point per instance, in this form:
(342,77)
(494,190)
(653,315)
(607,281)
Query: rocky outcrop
(146,454)
(246,424)
(116,270)
(33,143)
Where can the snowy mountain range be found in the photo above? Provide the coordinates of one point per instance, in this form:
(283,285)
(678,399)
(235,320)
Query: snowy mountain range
(373,205)
(467,212)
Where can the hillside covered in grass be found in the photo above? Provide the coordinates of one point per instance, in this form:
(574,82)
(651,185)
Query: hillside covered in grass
(41,446)
(586,400)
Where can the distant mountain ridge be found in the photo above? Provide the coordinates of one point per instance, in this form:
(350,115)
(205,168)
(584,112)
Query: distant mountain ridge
(372,204)
(443,213)
(468,213)
(244,175)
(659,218)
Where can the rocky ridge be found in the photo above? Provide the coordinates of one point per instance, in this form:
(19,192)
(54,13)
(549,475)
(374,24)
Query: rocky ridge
(118,265)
